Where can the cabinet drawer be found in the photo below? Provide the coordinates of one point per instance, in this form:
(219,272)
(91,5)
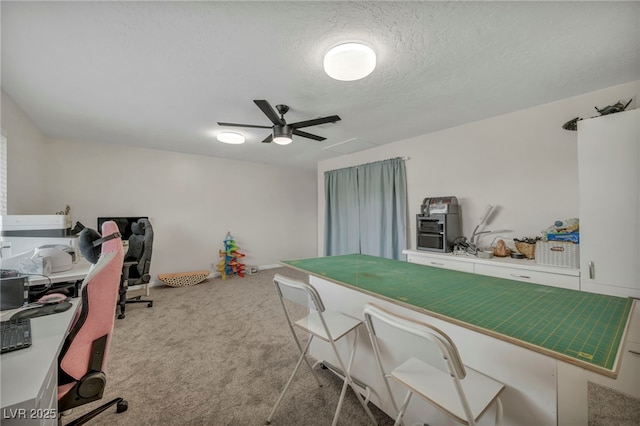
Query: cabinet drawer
(527,275)
(439,262)
(634,327)
(629,375)
(628,380)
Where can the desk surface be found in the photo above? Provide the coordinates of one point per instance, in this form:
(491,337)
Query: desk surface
(23,371)
(581,328)
(79,270)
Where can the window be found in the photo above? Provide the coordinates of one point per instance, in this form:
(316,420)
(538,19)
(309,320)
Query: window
(3,173)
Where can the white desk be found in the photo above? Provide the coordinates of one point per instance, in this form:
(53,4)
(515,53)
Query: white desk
(78,272)
(29,377)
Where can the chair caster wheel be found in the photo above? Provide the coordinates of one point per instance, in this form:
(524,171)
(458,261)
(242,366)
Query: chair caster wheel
(122,406)
(150,305)
(121,316)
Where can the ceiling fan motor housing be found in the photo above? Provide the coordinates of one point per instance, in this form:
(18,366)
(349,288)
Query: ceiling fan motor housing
(282,131)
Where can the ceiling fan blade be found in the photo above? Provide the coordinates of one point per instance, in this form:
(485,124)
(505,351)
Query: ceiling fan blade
(315,122)
(268,139)
(244,125)
(307,135)
(268,110)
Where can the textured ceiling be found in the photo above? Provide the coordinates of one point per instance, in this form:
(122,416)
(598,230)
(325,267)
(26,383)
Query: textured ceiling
(161,74)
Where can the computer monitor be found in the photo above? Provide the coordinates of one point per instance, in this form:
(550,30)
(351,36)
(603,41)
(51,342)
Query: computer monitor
(124,224)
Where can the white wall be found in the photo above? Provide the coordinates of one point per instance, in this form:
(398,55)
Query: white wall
(523,162)
(26,151)
(192,201)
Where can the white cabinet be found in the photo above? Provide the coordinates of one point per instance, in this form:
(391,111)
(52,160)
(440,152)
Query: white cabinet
(570,281)
(513,269)
(440,261)
(608,166)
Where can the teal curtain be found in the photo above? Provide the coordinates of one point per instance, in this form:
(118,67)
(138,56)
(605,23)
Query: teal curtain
(366,209)
(342,212)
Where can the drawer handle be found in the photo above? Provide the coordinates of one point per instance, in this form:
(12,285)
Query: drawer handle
(592,270)
(520,276)
(634,352)
(437,263)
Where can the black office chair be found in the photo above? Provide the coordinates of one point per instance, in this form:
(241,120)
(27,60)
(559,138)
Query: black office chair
(137,263)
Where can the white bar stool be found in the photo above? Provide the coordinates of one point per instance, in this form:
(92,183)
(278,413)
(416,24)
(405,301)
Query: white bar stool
(430,367)
(326,325)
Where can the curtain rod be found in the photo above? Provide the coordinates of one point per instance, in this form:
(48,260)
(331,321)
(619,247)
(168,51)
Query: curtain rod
(372,162)
(386,159)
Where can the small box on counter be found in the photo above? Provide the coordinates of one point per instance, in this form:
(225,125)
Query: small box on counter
(573,237)
(558,253)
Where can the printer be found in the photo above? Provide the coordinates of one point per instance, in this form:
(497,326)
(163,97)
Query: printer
(23,233)
(43,260)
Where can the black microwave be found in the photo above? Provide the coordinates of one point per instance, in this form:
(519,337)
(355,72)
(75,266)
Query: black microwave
(436,232)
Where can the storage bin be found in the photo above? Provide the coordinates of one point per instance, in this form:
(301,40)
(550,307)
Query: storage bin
(558,253)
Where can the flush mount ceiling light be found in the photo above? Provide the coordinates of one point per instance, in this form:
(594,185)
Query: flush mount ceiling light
(349,61)
(231,137)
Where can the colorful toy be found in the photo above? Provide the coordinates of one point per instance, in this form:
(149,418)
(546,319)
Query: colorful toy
(229,265)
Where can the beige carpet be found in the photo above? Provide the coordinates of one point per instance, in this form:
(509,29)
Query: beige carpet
(217,353)
(608,407)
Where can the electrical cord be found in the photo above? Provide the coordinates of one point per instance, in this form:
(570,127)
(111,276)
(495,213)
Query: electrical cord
(47,286)
(462,246)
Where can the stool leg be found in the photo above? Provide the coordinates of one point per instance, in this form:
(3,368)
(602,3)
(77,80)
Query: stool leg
(297,340)
(304,352)
(349,381)
(405,403)
(498,412)
(286,387)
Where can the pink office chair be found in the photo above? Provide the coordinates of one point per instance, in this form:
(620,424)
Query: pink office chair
(82,361)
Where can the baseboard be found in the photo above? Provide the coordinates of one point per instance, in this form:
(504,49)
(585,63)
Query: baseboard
(272,266)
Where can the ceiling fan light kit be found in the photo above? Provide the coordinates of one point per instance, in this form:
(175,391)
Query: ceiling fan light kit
(231,138)
(349,61)
(282,135)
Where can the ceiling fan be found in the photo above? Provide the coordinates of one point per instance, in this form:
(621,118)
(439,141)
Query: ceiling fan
(282,131)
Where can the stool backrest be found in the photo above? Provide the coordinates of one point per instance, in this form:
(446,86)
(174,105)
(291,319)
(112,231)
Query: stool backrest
(417,339)
(298,292)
